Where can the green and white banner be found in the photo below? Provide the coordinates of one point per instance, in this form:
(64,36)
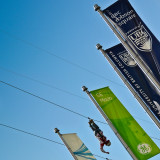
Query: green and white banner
(134,136)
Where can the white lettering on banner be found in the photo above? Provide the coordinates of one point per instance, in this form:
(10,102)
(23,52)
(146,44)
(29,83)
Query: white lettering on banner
(99,94)
(117,60)
(122,18)
(133,29)
(135,85)
(126,20)
(138,35)
(129,76)
(105,99)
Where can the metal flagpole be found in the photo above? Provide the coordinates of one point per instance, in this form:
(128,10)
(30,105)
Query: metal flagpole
(99,47)
(60,135)
(146,70)
(85,89)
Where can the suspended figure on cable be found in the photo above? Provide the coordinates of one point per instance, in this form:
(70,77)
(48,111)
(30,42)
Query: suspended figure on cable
(99,135)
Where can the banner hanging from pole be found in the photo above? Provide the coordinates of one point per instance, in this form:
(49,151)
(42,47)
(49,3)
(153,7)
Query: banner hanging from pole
(77,146)
(136,78)
(134,136)
(123,16)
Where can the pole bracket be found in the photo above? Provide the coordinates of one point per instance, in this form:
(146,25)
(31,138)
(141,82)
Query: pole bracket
(98,46)
(84,88)
(56,130)
(96,7)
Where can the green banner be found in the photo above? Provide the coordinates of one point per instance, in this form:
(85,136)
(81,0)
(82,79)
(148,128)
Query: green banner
(135,137)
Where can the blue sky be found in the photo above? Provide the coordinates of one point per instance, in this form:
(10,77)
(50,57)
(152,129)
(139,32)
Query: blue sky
(48,49)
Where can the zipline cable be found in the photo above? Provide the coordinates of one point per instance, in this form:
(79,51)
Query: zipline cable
(35,135)
(55,103)
(19,130)
(67,61)
(60,106)
(43,83)
(58,57)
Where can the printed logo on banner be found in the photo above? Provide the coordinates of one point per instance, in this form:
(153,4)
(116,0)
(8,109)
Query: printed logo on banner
(141,39)
(84,153)
(127,59)
(158,106)
(144,148)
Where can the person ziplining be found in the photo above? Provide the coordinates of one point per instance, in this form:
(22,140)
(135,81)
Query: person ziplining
(99,135)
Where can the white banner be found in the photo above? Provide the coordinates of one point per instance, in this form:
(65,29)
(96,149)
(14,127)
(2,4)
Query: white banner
(78,147)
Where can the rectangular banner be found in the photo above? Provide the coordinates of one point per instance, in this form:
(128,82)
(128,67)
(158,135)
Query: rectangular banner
(78,147)
(123,16)
(136,78)
(134,136)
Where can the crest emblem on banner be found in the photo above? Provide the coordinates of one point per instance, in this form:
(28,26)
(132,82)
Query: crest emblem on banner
(144,148)
(158,107)
(127,59)
(141,39)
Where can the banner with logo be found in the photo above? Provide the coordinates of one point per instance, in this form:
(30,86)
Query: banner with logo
(135,137)
(136,78)
(139,37)
(77,146)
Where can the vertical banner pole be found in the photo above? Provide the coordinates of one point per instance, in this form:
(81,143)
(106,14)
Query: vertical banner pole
(60,135)
(138,60)
(99,47)
(85,89)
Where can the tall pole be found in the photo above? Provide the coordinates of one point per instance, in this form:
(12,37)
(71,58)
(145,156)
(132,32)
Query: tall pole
(99,47)
(85,89)
(142,65)
(60,135)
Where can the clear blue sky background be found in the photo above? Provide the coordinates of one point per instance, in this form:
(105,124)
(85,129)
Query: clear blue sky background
(48,48)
